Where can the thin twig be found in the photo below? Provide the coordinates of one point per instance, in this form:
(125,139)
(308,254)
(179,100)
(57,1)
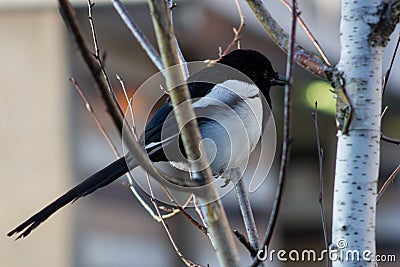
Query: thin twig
(185,214)
(172,199)
(182,60)
(114,110)
(387,74)
(182,209)
(129,176)
(387,183)
(308,60)
(236,31)
(97,54)
(384,111)
(286,136)
(193,221)
(245,207)
(177,208)
(186,261)
(101,128)
(201,215)
(129,102)
(138,34)
(387,138)
(89,108)
(235,39)
(93,29)
(242,239)
(390,139)
(321,180)
(309,34)
(69,17)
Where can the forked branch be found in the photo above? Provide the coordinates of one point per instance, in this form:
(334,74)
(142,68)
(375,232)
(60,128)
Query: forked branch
(306,59)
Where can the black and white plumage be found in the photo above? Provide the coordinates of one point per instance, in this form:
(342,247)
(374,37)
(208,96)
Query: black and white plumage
(229,113)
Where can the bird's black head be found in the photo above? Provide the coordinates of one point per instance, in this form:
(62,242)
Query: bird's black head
(255,66)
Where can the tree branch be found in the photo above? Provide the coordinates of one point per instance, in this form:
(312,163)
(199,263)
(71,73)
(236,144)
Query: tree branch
(100,126)
(390,139)
(286,135)
(242,239)
(236,31)
(215,216)
(387,183)
(113,109)
(245,207)
(387,73)
(321,180)
(304,58)
(138,34)
(186,261)
(309,34)
(177,88)
(389,15)
(182,59)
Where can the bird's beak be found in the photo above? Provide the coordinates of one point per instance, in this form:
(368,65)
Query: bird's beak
(279,79)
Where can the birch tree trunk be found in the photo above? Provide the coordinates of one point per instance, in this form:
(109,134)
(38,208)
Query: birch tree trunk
(358,147)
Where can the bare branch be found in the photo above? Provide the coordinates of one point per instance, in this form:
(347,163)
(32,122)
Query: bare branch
(309,34)
(113,108)
(179,94)
(193,221)
(245,207)
(387,183)
(93,29)
(138,34)
(142,39)
(384,137)
(177,208)
(129,102)
(236,32)
(89,108)
(286,135)
(186,261)
(384,112)
(100,126)
(184,213)
(389,15)
(182,59)
(304,58)
(242,239)
(236,37)
(321,180)
(390,139)
(387,74)
(97,54)
(69,17)
(215,216)
(129,175)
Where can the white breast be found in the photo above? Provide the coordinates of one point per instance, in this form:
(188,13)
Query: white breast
(237,107)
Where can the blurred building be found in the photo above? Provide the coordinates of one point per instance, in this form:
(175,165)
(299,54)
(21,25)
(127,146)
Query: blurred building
(49,142)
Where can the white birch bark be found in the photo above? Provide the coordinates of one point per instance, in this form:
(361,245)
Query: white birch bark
(358,151)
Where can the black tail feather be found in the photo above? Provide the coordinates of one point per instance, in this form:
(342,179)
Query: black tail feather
(91,184)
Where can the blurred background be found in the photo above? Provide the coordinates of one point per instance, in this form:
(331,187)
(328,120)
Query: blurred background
(49,142)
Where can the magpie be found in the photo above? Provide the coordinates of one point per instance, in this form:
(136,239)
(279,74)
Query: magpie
(228,111)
